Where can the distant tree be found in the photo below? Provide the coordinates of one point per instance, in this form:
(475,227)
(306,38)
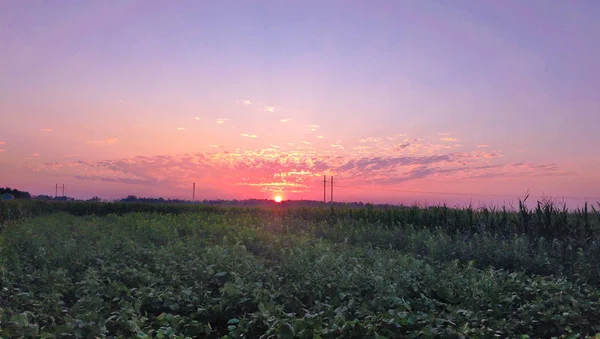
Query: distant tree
(15,193)
(95,199)
(43,197)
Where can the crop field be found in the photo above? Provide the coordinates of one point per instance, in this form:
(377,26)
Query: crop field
(108,270)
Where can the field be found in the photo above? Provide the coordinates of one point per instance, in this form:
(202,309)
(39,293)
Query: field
(77,269)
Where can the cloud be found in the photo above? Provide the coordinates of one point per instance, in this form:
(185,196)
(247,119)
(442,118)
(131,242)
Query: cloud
(370,139)
(46,129)
(103,142)
(320,137)
(483,146)
(272,109)
(85,126)
(244,102)
(307,142)
(180,128)
(313,128)
(293,169)
(2,150)
(197,118)
(35,155)
(448,139)
(221,121)
(133,181)
(401,146)
(70,155)
(2,143)
(253,136)
(285,120)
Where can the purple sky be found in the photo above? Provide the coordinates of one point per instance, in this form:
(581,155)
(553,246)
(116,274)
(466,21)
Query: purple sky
(257,98)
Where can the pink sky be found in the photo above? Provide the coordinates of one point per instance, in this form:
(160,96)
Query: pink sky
(255,100)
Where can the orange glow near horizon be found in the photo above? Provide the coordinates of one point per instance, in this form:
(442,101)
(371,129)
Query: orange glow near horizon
(277,199)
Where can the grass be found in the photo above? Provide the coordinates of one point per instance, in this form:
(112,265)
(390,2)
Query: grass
(102,270)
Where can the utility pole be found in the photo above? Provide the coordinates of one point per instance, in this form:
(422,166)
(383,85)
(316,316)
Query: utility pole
(56,191)
(332,189)
(194,192)
(325,188)
(63,190)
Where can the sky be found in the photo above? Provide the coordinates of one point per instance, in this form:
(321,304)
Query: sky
(400,101)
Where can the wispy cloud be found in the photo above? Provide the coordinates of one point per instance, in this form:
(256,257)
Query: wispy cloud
(483,146)
(448,139)
(272,109)
(2,150)
(221,121)
(401,146)
(293,166)
(2,143)
(134,181)
(244,102)
(197,118)
(313,128)
(285,120)
(46,129)
(370,139)
(35,155)
(103,142)
(70,155)
(180,128)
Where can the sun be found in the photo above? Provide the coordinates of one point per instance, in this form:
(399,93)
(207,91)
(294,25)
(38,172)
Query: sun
(277,198)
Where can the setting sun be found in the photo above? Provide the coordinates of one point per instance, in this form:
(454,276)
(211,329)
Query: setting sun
(278,198)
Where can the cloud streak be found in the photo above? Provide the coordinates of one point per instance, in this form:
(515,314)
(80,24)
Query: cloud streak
(272,109)
(296,167)
(103,142)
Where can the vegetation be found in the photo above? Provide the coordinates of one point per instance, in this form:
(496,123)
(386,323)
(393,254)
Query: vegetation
(92,269)
(15,193)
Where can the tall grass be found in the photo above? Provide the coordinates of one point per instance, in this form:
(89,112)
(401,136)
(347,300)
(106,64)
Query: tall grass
(548,219)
